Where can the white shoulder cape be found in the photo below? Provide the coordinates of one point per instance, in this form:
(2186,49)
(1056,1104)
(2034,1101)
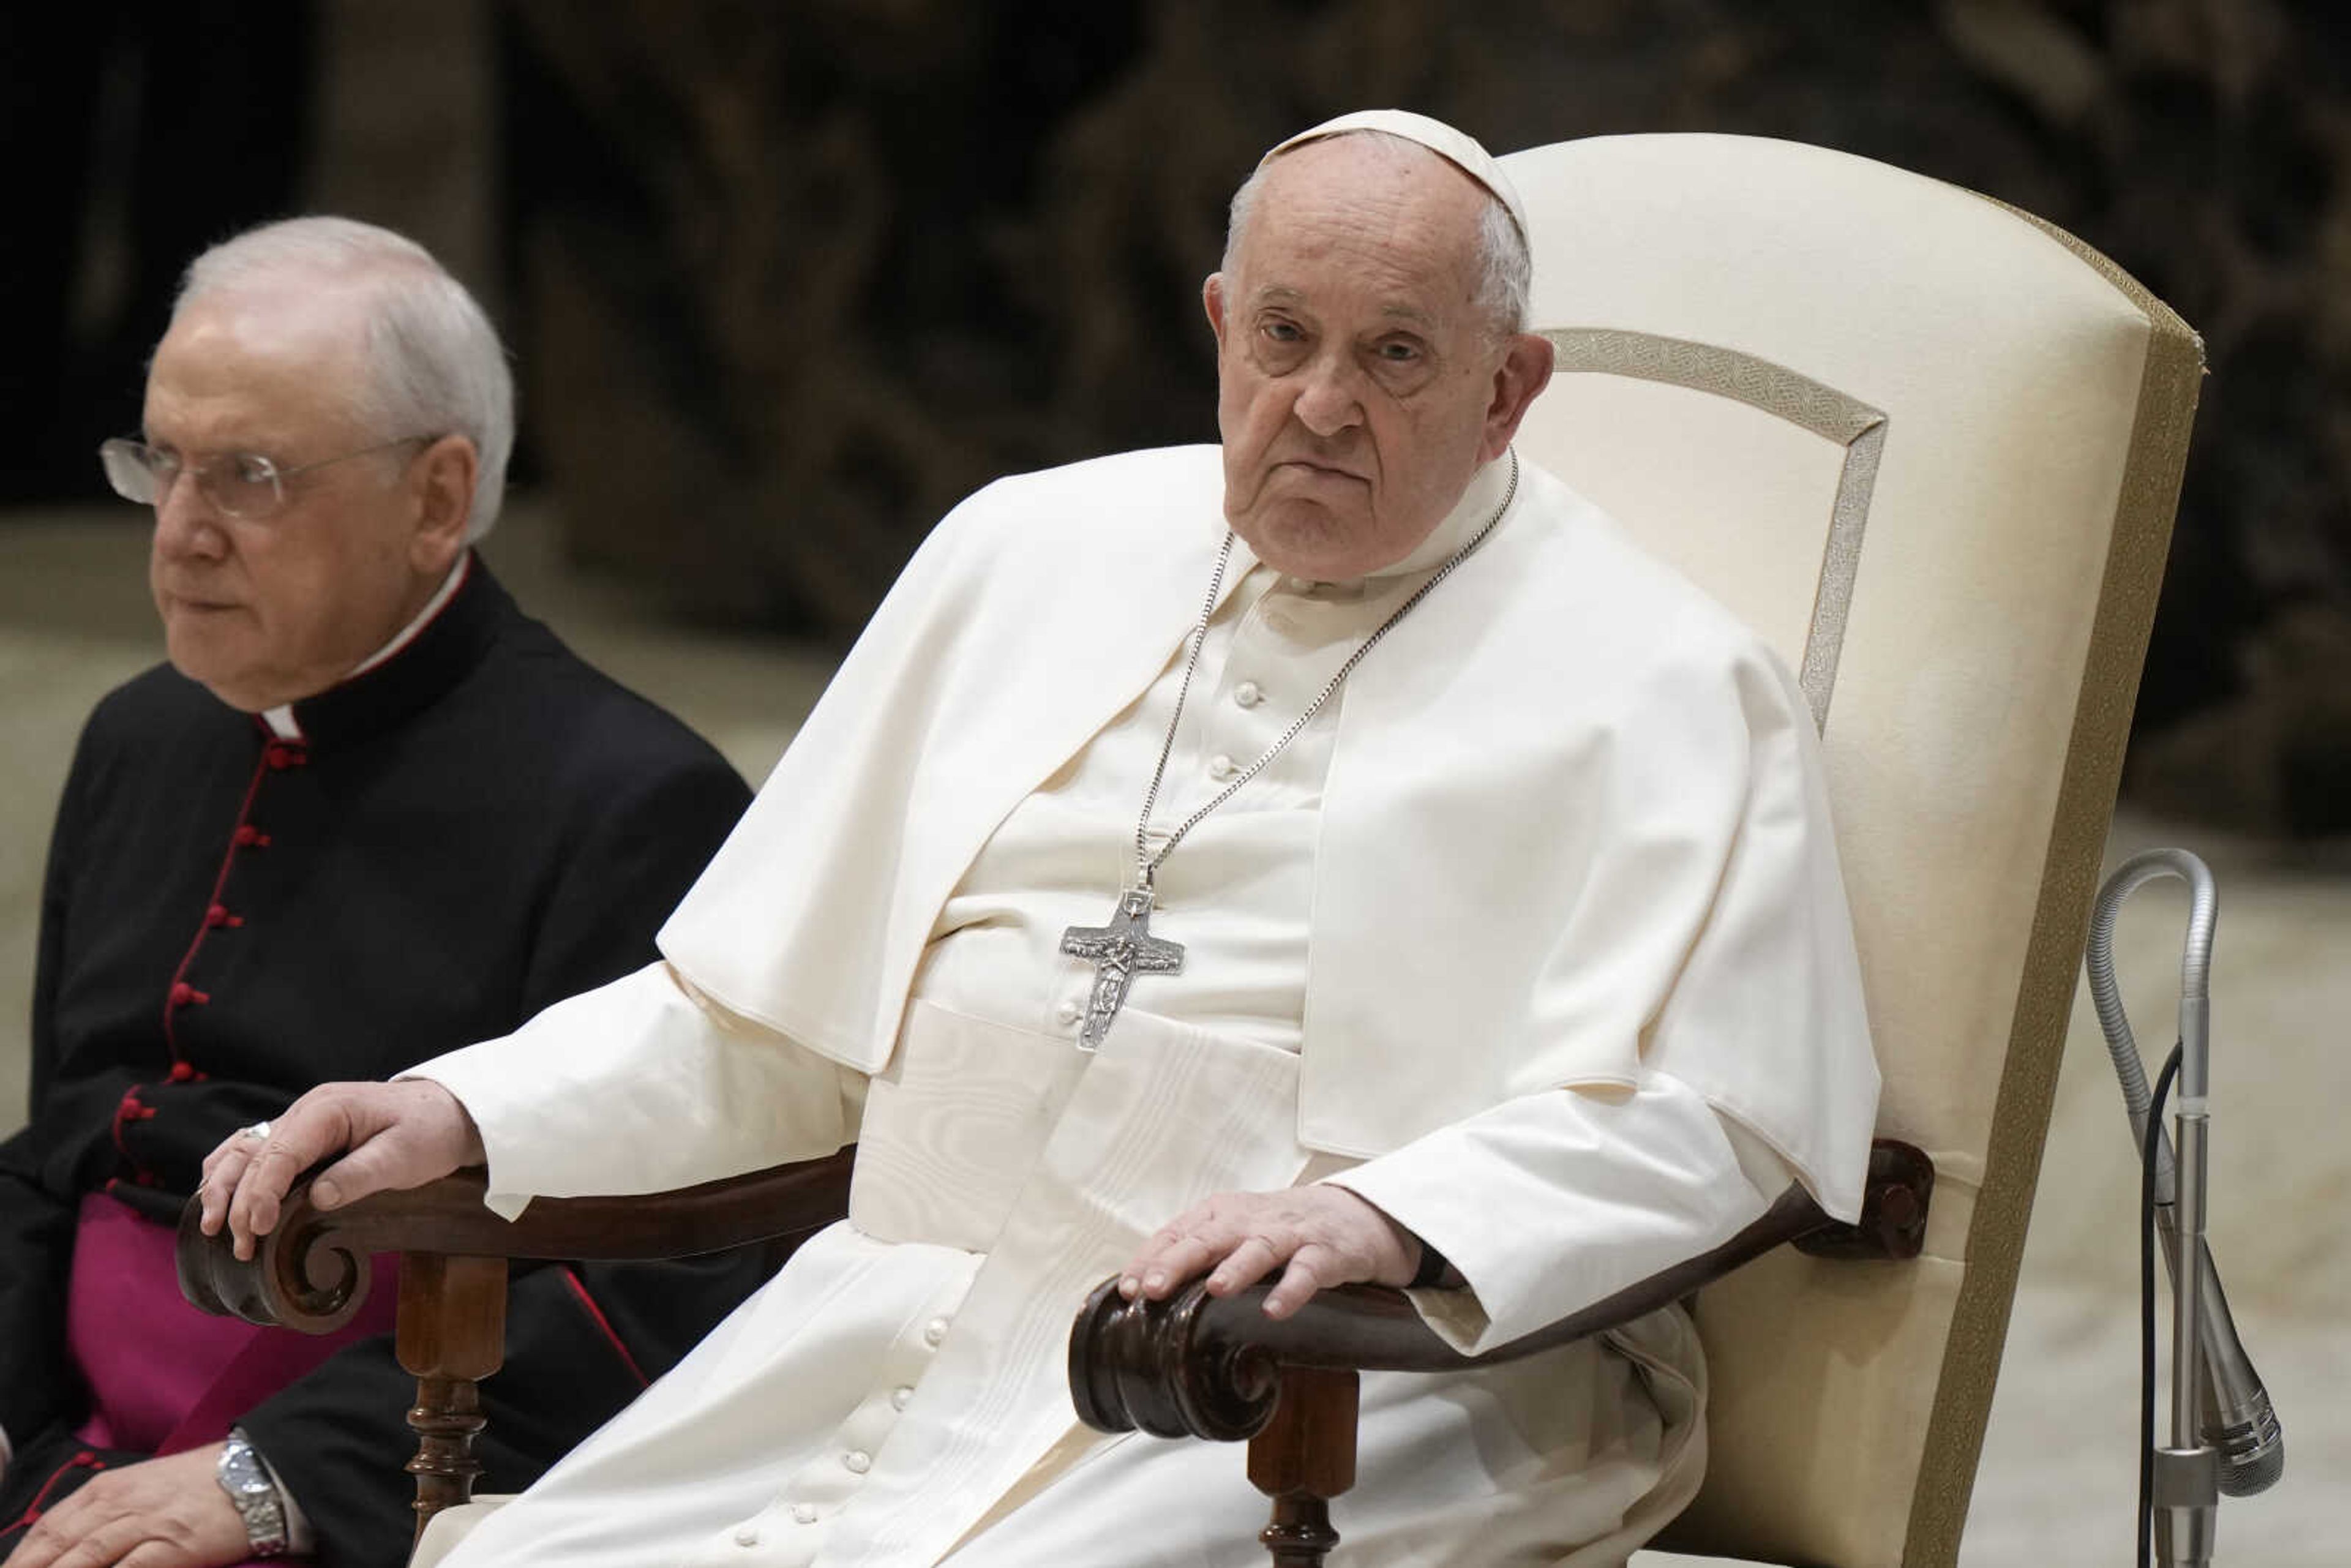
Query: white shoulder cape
(1573,825)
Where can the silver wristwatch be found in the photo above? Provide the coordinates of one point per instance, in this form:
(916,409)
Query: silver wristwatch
(247,1483)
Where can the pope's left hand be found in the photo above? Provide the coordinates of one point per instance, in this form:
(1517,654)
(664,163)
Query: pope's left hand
(1317,1236)
(158,1513)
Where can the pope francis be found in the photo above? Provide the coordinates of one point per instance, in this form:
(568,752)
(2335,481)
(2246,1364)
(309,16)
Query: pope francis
(1333,855)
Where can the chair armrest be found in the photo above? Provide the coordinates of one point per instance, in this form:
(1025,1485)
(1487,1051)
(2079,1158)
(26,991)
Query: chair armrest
(311,1273)
(1206,1366)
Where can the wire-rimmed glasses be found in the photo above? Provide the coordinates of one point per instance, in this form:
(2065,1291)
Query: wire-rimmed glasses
(242,485)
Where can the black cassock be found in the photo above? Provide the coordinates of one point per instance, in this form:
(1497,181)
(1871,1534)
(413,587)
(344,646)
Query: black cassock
(477,828)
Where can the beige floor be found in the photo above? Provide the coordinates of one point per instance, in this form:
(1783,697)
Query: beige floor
(2055,1486)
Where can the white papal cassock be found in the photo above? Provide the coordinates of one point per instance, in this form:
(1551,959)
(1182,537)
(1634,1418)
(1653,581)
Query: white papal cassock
(1533,937)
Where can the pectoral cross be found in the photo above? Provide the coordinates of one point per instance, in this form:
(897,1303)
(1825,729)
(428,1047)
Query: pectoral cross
(1120,950)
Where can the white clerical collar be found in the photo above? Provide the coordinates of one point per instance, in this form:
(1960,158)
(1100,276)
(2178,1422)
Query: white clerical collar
(280,719)
(1478,499)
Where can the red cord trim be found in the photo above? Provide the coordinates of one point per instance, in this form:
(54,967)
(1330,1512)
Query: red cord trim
(220,882)
(85,1460)
(571,1278)
(126,1109)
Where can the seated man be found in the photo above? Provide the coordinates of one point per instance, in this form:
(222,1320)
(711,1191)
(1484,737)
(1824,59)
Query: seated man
(1473,920)
(369,812)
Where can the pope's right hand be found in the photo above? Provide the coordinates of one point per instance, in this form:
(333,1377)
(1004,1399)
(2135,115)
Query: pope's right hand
(397,1135)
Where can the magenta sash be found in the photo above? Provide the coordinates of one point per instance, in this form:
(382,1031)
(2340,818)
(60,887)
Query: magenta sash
(163,1376)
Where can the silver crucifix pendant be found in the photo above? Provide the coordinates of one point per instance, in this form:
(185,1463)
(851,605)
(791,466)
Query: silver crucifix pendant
(1119,951)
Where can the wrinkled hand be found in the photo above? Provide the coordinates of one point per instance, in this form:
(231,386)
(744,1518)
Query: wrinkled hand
(399,1134)
(160,1513)
(1317,1236)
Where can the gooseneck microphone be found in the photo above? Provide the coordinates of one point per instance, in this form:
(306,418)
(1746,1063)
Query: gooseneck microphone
(2234,1411)
(2217,1396)
(2232,1406)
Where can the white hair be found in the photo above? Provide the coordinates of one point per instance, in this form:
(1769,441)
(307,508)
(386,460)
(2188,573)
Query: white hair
(434,364)
(1505,269)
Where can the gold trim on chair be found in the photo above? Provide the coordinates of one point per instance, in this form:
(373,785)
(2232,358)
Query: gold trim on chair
(1781,392)
(2136,552)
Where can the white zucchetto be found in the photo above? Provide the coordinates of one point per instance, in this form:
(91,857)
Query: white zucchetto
(1458,148)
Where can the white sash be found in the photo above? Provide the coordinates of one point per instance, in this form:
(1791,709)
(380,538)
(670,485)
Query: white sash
(1164,1116)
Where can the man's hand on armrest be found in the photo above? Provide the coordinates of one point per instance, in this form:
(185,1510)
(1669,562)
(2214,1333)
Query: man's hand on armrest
(158,1513)
(397,1135)
(1317,1236)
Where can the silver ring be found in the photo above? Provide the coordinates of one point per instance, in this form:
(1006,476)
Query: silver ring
(258,1130)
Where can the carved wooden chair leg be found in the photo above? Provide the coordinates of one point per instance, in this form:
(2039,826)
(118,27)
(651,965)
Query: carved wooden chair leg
(1303,1458)
(452,1332)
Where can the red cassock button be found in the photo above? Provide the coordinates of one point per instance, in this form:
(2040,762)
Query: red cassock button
(180,993)
(246,833)
(181,1072)
(216,916)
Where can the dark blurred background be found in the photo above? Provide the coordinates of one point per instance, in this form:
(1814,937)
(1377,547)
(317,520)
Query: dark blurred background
(785,280)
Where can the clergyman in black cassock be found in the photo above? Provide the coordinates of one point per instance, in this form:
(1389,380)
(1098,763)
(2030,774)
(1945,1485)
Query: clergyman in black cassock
(479,827)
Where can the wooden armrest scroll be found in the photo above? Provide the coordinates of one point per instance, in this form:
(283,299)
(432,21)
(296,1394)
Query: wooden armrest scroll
(311,1273)
(1205,1367)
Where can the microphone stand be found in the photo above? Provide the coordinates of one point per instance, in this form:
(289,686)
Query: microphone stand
(2187,1473)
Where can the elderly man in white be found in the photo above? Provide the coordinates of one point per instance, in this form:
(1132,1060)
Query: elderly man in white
(1447,901)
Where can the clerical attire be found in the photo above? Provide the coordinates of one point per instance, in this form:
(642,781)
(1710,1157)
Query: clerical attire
(1558,842)
(240,906)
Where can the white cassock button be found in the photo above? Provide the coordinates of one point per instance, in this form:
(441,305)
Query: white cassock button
(746,1536)
(857,1461)
(1222,766)
(1069,1012)
(934,1331)
(899,1396)
(1248,694)
(804,1513)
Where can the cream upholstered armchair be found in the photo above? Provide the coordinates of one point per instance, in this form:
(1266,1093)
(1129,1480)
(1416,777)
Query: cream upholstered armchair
(1930,447)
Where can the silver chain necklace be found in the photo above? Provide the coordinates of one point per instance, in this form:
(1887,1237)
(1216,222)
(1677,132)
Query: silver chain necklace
(1125,948)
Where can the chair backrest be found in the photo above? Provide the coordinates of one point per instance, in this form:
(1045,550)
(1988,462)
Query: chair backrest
(1929,447)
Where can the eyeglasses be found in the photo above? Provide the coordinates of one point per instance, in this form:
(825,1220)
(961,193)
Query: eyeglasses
(243,484)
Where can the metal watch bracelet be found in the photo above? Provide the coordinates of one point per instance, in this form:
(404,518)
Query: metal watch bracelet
(255,1495)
